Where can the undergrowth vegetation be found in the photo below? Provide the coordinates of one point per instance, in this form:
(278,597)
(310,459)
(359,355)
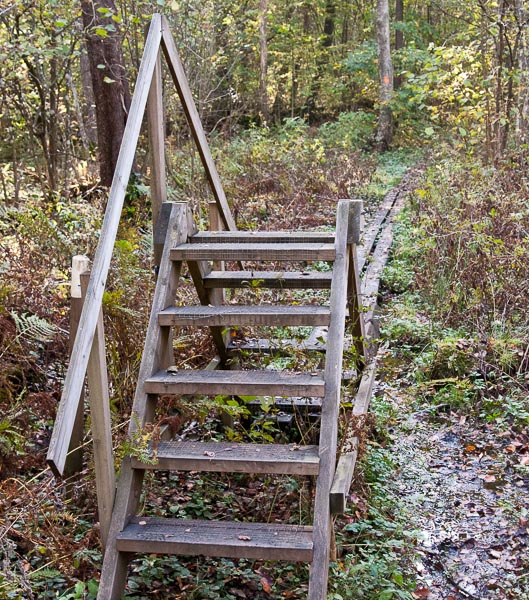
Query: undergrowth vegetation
(460,274)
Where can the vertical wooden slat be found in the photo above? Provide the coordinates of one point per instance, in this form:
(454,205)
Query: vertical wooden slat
(354,298)
(101,423)
(319,571)
(156,356)
(184,92)
(74,460)
(155,121)
(74,380)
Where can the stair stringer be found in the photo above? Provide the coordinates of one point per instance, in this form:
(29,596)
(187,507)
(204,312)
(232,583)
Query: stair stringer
(157,355)
(319,570)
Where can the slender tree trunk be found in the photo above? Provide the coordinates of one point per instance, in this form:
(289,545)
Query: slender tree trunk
(263,63)
(109,82)
(88,104)
(522,121)
(399,35)
(384,133)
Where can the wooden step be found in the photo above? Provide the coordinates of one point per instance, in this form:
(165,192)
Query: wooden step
(223,457)
(233,383)
(266,541)
(232,315)
(257,251)
(269,279)
(267,237)
(272,346)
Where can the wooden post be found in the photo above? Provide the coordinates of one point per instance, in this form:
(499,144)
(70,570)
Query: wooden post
(74,461)
(101,424)
(216,224)
(155,121)
(354,299)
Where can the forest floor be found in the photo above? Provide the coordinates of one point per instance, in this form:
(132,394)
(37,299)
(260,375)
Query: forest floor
(441,506)
(465,490)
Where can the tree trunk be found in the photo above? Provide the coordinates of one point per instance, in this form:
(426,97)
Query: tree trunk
(399,35)
(109,82)
(522,121)
(384,133)
(263,62)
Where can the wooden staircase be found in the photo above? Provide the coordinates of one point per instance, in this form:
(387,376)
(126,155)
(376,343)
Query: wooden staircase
(263,260)
(131,534)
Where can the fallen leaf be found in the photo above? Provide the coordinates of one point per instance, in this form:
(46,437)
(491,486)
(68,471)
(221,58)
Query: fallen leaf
(489,478)
(245,538)
(470,448)
(421,593)
(524,460)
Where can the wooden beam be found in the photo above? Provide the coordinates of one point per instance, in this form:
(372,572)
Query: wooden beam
(156,125)
(60,439)
(346,464)
(101,424)
(156,356)
(319,571)
(74,460)
(186,97)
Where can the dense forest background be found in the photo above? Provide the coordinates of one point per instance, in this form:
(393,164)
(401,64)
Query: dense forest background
(291,94)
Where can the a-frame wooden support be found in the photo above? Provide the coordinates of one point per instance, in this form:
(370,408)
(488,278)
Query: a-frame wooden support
(177,242)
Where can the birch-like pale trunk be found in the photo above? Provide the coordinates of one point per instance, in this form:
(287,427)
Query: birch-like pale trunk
(522,120)
(263,71)
(384,133)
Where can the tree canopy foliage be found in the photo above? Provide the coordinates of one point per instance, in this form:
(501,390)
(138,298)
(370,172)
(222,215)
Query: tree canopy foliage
(460,67)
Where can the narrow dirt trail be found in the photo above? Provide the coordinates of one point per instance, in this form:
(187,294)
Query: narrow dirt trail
(465,487)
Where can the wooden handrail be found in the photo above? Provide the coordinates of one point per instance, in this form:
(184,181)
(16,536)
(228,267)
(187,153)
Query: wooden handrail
(75,375)
(147,90)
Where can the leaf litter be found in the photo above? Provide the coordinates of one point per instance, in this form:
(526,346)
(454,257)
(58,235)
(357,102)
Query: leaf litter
(466,484)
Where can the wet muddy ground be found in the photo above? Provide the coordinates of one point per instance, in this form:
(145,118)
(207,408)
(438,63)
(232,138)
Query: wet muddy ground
(465,483)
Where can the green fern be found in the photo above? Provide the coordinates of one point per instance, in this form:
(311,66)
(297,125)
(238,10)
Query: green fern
(35,328)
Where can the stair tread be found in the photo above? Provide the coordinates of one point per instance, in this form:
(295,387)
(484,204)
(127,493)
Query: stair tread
(263,314)
(254,251)
(269,279)
(245,237)
(217,538)
(235,458)
(191,381)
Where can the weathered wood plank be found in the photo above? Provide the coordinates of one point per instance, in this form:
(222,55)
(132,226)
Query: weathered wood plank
(184,92)
(286,252)
(347,461)
(319,571)
(75,375)
(275,346)
(268,237)
(268,541)
(372,231)
(269,279)
(156,128)
(101,424)
(371,280)
(227,457)
(236,383)
(157,355)
(74,459)
(236,315)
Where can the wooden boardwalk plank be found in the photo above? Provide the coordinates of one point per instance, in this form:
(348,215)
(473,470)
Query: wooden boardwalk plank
(188,381)
(347,461)
(267,541)
(252,237)
(269,279)
(232,315)
(227,457)
(241,252)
